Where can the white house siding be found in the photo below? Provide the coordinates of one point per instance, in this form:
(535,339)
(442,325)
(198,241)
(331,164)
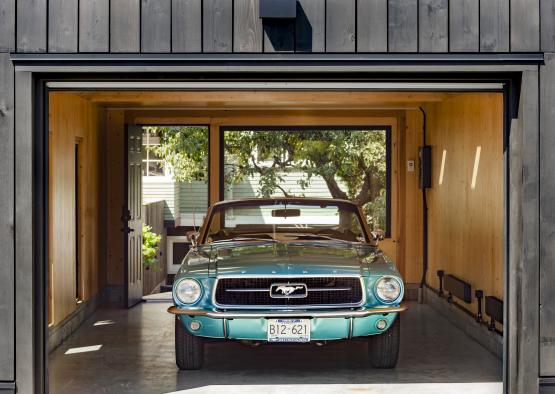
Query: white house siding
(160,189)
(185,198)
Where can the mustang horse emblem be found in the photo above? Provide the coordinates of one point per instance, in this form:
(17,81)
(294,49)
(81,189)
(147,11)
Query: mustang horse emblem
(287,290)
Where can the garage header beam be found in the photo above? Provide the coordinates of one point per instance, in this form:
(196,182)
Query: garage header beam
(324,86)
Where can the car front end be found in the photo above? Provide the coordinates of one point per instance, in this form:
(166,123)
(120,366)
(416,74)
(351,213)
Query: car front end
(309,289)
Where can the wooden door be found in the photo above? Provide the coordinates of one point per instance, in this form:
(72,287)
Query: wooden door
(131,217)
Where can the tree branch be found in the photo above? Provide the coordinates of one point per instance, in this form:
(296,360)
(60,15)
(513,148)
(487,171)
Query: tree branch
(334,188)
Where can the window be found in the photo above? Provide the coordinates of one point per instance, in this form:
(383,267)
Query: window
(350,163)
(152,165)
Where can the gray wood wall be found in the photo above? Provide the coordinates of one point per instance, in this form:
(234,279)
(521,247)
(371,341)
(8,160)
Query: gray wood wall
(160,26)
(194,26)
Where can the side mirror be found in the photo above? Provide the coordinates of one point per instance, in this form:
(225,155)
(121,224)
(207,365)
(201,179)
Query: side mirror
(193,237)
(194,240)
(377,235)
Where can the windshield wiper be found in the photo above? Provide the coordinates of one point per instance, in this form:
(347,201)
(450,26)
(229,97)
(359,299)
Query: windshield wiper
(235,239)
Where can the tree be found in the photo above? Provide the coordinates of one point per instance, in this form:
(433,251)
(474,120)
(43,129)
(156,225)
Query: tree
(352,163)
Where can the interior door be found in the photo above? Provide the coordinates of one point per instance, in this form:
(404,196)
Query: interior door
(132,217)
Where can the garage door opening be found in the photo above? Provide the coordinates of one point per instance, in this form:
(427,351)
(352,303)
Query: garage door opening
(426,168)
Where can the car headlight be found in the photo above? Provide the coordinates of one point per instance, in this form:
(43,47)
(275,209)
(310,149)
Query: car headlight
(188,291)
(388,289)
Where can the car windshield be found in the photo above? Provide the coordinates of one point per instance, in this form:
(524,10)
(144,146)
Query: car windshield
(285,222)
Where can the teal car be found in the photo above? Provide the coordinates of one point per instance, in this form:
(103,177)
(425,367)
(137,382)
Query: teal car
(286,270)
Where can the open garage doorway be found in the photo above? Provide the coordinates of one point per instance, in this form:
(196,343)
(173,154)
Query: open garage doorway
(437,208)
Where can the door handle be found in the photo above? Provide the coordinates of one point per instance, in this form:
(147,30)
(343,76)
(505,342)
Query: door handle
(127,230)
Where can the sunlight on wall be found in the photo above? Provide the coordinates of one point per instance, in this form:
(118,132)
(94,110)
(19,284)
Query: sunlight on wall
(476,165)
(442,170)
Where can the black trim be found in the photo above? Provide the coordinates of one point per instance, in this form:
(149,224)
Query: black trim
(152,59)
(388,154)
(40,233)
(40,143)
(7,387)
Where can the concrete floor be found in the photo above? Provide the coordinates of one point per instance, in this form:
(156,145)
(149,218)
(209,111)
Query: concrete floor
(136,355)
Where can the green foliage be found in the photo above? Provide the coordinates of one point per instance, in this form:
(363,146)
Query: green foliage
(351,162)
(184,150)
(151,246)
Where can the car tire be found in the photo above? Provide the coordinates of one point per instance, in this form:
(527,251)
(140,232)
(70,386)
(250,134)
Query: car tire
(189,349)
(383,349)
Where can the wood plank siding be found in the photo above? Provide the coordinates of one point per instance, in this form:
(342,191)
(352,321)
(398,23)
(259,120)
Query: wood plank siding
(195,26)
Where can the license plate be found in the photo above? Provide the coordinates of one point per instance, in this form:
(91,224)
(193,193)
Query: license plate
(288,330)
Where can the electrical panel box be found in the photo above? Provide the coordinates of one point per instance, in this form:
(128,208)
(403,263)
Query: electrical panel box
(425,159)
(278,9)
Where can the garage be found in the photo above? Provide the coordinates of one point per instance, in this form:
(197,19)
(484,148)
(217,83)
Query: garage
(375,177)
(431,160)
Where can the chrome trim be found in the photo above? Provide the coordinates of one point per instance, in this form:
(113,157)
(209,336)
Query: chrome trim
(278,285)
(264,290)
(319,306)
(351,313)
(224,322)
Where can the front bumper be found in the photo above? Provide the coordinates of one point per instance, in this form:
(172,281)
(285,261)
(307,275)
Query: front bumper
(250,314)
(252,324)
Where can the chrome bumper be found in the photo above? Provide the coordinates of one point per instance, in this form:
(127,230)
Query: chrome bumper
(359,312)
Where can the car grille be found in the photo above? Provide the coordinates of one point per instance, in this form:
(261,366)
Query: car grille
(328,291)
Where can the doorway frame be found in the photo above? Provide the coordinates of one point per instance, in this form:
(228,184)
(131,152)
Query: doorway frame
(521,170)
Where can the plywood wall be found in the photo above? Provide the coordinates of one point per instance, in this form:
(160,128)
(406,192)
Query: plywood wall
(410,237)
(115,268)
(466,203)
(74,121)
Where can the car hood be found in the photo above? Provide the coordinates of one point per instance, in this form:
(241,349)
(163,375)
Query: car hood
(306,258)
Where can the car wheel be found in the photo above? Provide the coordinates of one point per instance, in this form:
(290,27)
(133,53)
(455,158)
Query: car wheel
(383,349)
(189,349)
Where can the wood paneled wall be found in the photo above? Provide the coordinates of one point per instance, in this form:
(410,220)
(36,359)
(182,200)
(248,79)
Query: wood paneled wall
(115,269)
(466,199)
(164,26)
(74,121)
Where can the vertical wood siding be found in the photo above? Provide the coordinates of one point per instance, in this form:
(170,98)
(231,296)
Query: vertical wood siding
(547,25)
(310,26)
(365,26)
(125,25)
(494,26)
(94,25)
(372,26)
(525,25)
(156,26)
(217,26)
(464,25)
(7,222)
(403,25)
(62,25)
(7,25)
(433,24)
(31,25)
(247,27)
(547,217)
(187,26)
(341,25)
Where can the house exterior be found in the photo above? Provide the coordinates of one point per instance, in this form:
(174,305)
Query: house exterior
(111,41)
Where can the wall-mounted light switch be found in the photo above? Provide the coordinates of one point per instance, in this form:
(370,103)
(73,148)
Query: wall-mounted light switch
(410,165)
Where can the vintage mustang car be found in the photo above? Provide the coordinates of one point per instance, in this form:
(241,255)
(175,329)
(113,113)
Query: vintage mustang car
(286,270)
